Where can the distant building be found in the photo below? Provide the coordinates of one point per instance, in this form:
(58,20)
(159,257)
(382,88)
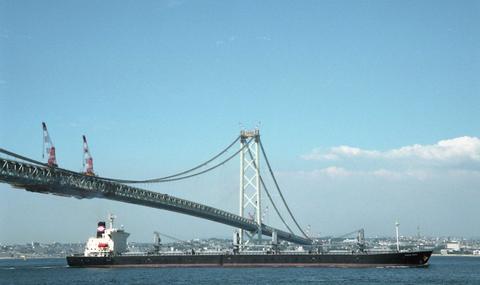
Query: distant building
(453,246)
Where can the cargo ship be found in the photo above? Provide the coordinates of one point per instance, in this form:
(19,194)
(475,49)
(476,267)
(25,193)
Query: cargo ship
(109,249)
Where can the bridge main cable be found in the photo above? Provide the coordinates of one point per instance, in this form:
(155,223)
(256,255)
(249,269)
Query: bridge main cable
(174,177)
(21,157)
(280,192)
(169,178)
(269,196)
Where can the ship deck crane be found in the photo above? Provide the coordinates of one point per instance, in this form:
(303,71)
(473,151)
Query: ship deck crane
(360,238)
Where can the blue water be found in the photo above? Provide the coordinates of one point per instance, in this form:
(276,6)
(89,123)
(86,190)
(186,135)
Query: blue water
(442,270)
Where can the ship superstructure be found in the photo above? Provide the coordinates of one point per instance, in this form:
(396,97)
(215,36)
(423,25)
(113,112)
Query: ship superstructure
(108,241)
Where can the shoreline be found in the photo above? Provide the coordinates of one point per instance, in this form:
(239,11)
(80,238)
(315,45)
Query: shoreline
(456,255)
(31,257)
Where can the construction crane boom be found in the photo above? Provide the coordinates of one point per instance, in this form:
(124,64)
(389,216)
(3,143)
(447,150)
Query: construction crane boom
(48,147)
(87,159)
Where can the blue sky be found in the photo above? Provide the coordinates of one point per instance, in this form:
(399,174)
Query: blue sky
(158,86)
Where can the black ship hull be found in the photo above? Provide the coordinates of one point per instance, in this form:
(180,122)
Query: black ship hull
(394,259)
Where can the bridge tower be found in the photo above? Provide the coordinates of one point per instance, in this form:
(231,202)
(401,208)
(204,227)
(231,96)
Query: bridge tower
(250,198)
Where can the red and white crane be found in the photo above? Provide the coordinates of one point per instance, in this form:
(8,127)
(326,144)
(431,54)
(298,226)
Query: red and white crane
(48,147)
(87,159)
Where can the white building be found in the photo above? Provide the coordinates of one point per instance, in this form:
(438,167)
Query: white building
(453,246)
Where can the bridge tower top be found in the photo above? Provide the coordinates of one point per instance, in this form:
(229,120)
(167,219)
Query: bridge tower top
(245,134)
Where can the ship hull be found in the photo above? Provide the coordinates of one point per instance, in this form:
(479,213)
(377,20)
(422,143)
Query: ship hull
(396,259)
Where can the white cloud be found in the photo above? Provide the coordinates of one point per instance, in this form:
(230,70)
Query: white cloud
(331,171)
(462,148)
(384,173)
(335,172)
(455,158)
(452,150)
(339,152)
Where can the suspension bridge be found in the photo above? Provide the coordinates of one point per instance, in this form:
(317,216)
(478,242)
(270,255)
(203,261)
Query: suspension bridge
(36,176)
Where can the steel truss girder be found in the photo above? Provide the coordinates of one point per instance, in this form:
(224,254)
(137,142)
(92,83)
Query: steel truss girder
(61,182)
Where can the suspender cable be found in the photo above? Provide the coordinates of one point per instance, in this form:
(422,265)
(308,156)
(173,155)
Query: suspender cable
(280,192)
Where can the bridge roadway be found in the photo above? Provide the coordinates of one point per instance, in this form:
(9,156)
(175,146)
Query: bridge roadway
(57,181)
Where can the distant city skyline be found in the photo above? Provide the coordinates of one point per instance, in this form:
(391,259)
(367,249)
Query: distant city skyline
(368,109)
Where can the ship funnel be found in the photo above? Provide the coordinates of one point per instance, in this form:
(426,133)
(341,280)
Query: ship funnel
(100,229)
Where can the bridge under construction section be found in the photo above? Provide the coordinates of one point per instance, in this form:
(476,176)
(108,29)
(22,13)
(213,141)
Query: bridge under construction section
(35,176)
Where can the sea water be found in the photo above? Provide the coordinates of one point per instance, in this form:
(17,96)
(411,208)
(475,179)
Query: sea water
(442,270)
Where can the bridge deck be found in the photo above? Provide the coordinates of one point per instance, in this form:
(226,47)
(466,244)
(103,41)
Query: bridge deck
(63,182)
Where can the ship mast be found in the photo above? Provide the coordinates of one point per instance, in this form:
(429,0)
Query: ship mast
(396,229)
(111,217)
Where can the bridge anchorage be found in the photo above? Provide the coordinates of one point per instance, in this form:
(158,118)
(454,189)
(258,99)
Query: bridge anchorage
(48,178)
